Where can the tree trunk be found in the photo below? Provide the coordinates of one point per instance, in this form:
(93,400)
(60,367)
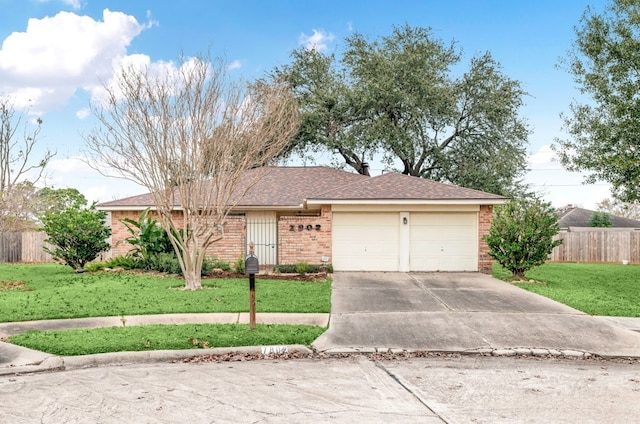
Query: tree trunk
(192,266)
(192,279)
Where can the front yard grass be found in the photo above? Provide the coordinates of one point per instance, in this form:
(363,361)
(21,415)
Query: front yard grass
(596,289)
(161,337)
(52,291)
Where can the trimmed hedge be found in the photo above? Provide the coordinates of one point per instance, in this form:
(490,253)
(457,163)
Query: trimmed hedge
(302,268)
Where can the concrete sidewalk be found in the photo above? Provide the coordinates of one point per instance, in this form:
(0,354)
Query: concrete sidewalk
(17,359)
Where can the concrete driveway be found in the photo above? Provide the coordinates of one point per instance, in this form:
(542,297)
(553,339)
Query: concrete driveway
(461,312)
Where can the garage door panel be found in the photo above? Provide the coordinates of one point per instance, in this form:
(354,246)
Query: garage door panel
(436,242)
(365,242)
(443,242)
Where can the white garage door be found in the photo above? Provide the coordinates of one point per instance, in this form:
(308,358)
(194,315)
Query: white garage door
(380,242)
(443,242)
(365,241)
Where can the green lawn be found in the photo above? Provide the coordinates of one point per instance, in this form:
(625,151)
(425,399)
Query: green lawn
(596,289)
(160,337)
(49,291)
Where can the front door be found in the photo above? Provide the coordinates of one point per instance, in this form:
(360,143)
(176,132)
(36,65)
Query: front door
(262,230)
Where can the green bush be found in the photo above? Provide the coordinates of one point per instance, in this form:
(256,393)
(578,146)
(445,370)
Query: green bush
(94,266)
(78,234)
(302,268)
(238,266)
(161,262)
(124,262)
(209,264)
(522,235)
(309,268)
(148,238)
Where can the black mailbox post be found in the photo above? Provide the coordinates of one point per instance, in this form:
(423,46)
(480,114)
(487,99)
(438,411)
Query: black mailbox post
(252,267)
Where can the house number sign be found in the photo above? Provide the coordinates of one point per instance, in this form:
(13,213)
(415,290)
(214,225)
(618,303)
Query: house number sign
(301,227)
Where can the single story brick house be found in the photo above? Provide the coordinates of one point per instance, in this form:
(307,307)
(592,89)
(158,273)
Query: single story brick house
(390,222)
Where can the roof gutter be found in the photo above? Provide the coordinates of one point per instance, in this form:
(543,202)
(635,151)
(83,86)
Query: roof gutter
(405,202)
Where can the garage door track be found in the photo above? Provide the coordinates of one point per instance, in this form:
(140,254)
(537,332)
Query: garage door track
(461,312)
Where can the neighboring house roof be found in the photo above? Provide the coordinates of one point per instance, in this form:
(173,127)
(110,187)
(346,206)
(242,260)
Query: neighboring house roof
(291,187)
(579,217)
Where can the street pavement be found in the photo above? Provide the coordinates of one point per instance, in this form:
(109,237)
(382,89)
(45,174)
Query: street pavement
(464,389)
(495,354)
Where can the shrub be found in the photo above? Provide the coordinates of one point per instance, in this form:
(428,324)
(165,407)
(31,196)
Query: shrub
(124,262)
(77,233)
(161,262)
(209,264)
(310,268)
(148,238)
(238,266)
(302,268)
(521,235)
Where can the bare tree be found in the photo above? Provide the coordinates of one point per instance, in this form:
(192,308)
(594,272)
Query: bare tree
(19,171)
(189,136)
(618,208)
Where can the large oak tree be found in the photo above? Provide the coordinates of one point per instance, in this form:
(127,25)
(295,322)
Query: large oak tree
(604,126)
(398,98)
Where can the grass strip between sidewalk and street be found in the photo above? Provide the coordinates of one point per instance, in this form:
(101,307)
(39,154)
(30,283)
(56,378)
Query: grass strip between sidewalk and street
(53,291)
(596,289)
(164,337)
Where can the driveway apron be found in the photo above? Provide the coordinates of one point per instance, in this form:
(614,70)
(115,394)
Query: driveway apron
(460,312)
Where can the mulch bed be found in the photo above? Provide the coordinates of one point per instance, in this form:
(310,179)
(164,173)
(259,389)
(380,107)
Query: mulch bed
(320,276)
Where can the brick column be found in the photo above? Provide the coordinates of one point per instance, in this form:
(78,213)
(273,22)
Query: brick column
(485,262)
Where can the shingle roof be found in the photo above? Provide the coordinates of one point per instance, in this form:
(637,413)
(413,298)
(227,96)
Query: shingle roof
(579,217)
(395,186)
(291,186)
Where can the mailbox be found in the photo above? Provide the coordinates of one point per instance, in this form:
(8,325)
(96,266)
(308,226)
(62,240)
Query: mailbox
(251,265)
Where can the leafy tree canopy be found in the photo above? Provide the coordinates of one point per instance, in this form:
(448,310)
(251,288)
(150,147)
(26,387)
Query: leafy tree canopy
(398,96)
(604,131)
(600,219)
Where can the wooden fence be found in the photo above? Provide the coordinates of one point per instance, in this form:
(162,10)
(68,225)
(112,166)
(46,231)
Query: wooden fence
(598,246)
(27,247)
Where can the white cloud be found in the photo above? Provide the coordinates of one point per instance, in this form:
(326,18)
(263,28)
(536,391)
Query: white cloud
(236,64)
(68,165)
(83,113)
(317,41)
(56,55)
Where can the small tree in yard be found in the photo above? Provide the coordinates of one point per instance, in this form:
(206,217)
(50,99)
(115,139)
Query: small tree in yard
(78,234)
(189,134)
(600,219)
(521,235)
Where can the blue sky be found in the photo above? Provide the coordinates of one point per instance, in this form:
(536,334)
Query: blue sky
(55,53)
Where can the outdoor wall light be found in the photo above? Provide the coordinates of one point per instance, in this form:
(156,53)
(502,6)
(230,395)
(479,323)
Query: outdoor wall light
(405,221)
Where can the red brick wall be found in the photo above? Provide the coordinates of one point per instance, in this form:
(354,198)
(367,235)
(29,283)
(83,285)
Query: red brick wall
(119,231)
(229,249)
(232,246)
(484,224)
(301,241)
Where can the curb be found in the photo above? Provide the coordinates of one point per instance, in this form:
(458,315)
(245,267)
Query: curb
(68,363)
(502,352)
